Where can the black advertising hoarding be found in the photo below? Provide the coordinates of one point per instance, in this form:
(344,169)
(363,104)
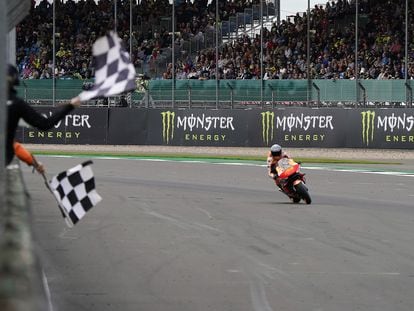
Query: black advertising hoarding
(253,128)
(197,127)
(127,126)
(81,126)
(339,128)
(381,128)
(294,127)
(299,127)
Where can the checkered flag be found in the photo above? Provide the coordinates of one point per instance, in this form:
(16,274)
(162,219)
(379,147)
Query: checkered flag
(114,72)
(75,192)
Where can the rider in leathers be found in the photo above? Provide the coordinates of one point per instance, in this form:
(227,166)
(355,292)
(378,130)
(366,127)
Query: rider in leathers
(275,154)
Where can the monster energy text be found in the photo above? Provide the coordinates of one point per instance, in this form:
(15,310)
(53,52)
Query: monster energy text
(294,122)
(73,120)
(304,122)
(206,123)
(400,123)
(387,123)
(404,122)
(52,134)
(191,123)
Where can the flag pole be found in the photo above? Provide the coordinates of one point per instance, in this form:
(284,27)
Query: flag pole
(65,215)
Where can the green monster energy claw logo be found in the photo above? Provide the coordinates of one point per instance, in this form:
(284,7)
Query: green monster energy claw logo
(368,121)
(168,126)
(268,120)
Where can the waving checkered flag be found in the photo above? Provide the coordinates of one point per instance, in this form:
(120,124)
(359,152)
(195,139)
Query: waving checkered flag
(114,72)
(75,191)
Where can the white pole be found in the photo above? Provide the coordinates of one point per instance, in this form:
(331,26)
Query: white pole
(11,47)
(308,53)
(261,53)
(406,42)
(217,52)
(408,90)
(130,44)
(356,54)
(173,54)
(130,29)
(54,55)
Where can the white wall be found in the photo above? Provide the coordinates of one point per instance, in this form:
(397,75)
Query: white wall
(11,47)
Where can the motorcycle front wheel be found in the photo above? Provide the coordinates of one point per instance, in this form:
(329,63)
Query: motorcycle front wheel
(302,191)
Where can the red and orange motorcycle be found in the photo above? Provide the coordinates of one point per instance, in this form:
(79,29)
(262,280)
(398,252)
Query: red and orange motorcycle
(292,181)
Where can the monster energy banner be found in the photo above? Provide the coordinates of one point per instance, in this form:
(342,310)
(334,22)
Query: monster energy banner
(337,128)
(82,126)
(302,128)
(198,127)
(296,127)
(383,128)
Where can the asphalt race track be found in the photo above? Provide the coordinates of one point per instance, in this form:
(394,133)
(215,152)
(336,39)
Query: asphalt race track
(175,236)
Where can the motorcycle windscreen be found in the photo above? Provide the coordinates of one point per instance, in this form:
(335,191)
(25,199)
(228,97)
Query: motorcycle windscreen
(286,167)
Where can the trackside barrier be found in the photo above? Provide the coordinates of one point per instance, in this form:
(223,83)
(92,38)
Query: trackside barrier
(237,93)
(390,128)
(21,278)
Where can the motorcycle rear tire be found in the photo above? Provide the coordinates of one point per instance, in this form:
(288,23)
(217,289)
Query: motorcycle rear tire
(302,191)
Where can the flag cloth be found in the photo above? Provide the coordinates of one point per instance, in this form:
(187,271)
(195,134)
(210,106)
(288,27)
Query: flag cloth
(75,191)
(114,72)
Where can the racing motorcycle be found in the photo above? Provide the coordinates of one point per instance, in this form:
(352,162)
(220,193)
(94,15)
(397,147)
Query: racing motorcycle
(292,181)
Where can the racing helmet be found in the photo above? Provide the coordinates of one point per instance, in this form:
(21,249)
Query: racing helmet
(276,150)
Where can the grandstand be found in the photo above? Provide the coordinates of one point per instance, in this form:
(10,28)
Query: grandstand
(233,49)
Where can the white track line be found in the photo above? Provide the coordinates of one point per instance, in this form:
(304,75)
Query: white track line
(320,168)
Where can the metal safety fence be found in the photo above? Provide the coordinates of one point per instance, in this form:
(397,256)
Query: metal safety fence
(233,94)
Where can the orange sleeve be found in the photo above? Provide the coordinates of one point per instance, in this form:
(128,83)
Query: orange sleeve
(23,154)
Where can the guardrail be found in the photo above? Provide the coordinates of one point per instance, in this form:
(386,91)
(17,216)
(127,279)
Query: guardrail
(229,94)
(21,277)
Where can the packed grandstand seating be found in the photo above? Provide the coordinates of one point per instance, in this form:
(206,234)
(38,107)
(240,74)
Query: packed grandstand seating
(381,47)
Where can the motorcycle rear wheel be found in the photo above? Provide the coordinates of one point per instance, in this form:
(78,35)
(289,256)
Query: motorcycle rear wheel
(302,191)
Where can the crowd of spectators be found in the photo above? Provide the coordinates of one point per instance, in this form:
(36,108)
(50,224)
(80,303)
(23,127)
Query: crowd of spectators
(332,49)
(79,23)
